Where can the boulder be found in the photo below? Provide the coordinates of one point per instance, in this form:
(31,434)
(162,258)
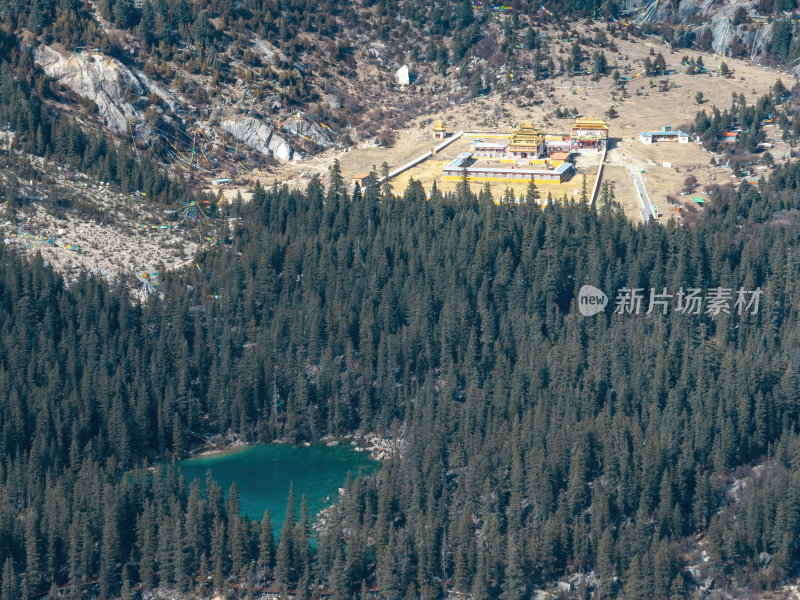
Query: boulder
(333,102)
(402,76)
(102,79)
(259,136)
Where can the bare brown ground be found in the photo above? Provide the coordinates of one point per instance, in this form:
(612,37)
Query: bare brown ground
(661,182)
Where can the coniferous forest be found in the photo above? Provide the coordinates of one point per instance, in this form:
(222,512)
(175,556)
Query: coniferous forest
(539,442)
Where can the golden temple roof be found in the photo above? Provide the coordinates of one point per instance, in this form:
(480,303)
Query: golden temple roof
(590,123)
(526,135)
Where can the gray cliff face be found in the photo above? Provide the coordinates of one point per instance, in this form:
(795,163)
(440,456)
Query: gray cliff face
(718,17)
(715,15)
(101,79)
(307,129)
(115,89)
(260,136)
(268,52)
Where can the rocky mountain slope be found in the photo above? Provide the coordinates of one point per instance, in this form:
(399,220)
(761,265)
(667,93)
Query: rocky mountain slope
(112,86)
(219,97)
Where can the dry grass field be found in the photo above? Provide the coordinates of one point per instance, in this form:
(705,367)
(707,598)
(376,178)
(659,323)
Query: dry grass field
(624,190)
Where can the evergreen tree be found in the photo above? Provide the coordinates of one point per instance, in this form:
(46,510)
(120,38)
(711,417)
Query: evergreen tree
(266,550)
(284,574)
(10,587)
(532,193)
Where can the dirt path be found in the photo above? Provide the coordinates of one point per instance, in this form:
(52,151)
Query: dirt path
(638,182)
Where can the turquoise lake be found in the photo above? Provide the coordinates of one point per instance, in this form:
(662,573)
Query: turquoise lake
(264,473)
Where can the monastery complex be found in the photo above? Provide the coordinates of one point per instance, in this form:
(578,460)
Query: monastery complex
(525,154)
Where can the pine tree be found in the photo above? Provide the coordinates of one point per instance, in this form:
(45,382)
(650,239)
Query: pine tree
(32,551)
(286,545)
(677,589)
(463,192)
(178,551)
(532,193)
(109,545)
(177,437)
(218,553)
(466,13)
(648,66)
(146,28)
(146,542)
(301,539)
(576,57)
(10,587)
(584,192)
(636,585)
(386,187)
(126,590)
(339,586)
(480,582)
(577,490)
(387,575)
(513,587)
(266,550)
(124,13)
(604,561)
(336,187)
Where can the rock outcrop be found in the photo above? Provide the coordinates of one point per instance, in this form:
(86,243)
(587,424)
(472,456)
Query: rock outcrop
(311,131)
(102,79)
(715,16)
(259,136)
(333,102)
(268,52)
(719,18)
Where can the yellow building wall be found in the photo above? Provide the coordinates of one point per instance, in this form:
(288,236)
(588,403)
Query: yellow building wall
(487,135)
(535,162)
(500,179)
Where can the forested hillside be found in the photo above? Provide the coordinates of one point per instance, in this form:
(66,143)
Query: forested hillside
(539,442)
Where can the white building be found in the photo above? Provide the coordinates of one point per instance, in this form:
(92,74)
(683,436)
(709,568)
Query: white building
(665,135)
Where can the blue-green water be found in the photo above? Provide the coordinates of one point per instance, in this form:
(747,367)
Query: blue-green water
(264,473)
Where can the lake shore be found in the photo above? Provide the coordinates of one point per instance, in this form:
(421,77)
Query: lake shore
(379,447)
